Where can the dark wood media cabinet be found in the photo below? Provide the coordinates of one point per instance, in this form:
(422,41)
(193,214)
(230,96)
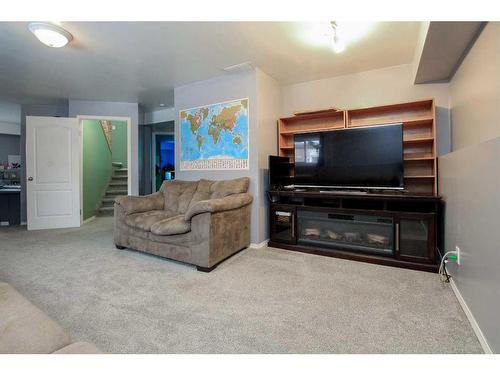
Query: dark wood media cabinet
(393,229)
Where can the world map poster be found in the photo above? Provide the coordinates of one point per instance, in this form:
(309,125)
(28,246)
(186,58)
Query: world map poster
(215,136)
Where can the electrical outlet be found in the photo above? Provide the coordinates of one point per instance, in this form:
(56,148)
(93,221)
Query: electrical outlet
(457,249)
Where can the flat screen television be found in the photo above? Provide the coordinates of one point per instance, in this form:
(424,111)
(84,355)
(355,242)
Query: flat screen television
(280,171)
(358,158)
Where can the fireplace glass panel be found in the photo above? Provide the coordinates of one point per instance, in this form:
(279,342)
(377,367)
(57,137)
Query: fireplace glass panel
(362,233)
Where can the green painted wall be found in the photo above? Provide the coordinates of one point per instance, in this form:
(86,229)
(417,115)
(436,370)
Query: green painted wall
(119,143)
(96,166)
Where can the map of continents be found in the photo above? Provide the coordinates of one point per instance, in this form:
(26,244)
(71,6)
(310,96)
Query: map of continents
(215,136)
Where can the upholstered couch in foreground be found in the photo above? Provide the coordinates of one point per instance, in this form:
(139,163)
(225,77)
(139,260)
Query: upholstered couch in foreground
(197,222)
(25,329)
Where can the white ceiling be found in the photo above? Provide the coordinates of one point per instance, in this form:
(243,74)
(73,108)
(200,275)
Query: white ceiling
(143,61)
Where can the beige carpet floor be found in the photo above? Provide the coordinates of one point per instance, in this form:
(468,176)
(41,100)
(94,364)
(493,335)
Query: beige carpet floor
(259,301)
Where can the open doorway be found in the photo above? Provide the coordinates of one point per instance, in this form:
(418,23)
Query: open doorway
(163,167)
(105,161)
(156,155)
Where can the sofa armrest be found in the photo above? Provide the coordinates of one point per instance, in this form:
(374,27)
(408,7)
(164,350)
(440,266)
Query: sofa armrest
(231,202)
(132,204)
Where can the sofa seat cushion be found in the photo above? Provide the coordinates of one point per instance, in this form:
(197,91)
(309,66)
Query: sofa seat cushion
(171,226)
(144,220)
(25,329)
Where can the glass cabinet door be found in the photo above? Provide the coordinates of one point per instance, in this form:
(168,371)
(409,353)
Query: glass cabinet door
(283,224)
(415,237)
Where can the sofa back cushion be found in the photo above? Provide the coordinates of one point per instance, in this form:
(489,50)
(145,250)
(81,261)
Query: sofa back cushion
(178,194)
(202,192)
(223,188)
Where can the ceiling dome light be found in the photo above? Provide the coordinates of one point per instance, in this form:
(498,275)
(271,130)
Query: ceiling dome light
(338,44)
(335,35)
(50,35)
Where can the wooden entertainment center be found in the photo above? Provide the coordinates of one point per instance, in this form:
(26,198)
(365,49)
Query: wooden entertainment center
(419,135)
(398,229)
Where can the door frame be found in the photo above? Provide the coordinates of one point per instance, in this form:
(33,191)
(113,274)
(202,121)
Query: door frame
(153,158)
(128,120)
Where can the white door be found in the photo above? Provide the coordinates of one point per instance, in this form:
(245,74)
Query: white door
(52,172)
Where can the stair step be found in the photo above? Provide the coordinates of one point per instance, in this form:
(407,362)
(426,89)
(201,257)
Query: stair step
(105,211)
(120,177)
(118,183)
(116,196)
(121,170)
(108,200)
(117,164)
(116,192)
(113,194)
(107,203)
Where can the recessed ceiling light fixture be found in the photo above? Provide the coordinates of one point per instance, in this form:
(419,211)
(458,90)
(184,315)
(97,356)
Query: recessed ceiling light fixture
(50,35)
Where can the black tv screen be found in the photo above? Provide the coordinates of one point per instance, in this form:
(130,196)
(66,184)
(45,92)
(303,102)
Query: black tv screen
(370,157)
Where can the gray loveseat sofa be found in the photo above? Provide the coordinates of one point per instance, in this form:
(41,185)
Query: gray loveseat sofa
(197,222)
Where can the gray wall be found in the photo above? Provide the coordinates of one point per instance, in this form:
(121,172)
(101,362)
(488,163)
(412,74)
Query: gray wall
(217,90)
(9,145)
(56,109)
(469,183)
(469,180)
(475,91)
(10,118)
(268,112)
(91,108)
(371,88)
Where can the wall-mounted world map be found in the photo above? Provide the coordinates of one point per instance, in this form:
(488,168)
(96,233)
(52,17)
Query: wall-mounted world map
(215,136)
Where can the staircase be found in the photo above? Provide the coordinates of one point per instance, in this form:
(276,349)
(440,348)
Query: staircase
(117,187)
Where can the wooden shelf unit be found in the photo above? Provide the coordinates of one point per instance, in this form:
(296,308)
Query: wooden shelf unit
(310,123)
(419,135)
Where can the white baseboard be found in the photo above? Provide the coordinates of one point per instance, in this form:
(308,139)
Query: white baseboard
(89,219)
(472,320)
(259,245)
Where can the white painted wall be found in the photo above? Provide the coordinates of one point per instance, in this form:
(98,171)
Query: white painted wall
(10,118)
(371,88)
(92,108)
(161,115)
(475,91)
